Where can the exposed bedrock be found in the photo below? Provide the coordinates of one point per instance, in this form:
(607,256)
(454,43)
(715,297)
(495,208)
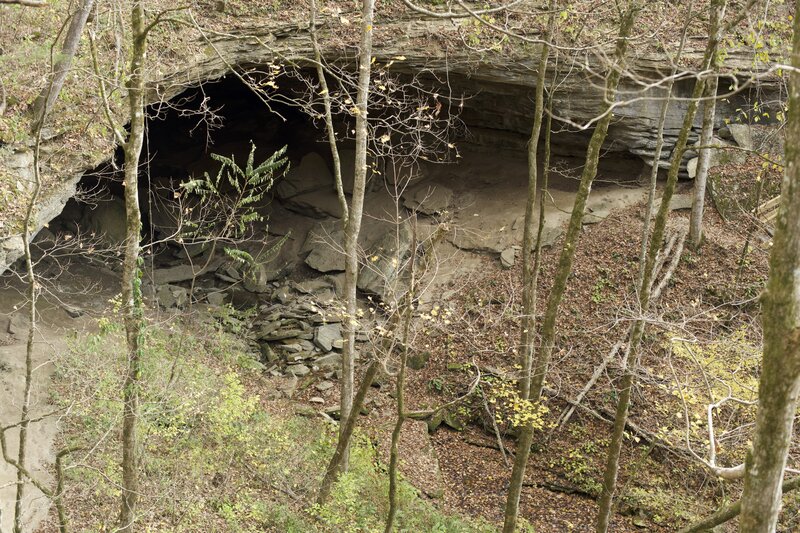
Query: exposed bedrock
(494,95)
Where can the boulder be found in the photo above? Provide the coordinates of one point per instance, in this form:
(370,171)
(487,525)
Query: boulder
(260,275)
(384,259)
(331,359)
(267,353)
(428,199)
(323,386)
(325,242)
(507,258)
(169,296)
(310,174)
(298,370)
(216,298)
(313,286)
(315,204)
(283,295)
(481,239)
(320,289)
(742,135)
(107,220)
(298,346)
(325,336)
(281,334)
(177,273)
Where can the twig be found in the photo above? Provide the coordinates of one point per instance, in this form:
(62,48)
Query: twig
(567,413)
(676,258)
(26,3)
(496,430)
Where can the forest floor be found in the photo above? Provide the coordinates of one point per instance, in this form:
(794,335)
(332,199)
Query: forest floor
(659,490)
(460,467)
(710,301)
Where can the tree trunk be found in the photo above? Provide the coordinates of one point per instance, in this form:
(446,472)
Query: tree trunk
(647,256)
(27,235)
(780,372)
(353,226)
(704,160)
(329,129)
(346,428)
(44,102)
(731,511)
(408,314)
(528,323)
(530,266)
(131,280)
(637,330)
(564,268)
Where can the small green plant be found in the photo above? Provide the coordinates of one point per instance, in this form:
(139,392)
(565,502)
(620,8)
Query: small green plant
(600,286)
(436,384)
(235,193)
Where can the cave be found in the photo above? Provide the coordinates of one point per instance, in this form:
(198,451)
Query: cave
(477,186)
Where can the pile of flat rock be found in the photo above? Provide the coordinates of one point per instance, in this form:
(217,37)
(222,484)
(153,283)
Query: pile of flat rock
(300,331)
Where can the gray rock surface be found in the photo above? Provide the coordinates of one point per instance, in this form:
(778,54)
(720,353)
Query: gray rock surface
(298,370)
(260,275)
(428,199)
(323,386)
(325,243)
(310,174)
(325,336)
(172,296)
(384,260)
(216,298)
(329,360)
(507,258)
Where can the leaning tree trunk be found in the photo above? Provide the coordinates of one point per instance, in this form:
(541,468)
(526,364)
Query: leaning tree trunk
(645,281)
(780,371)
(329,128)
(131,279)
(564,268)
(44,102)
(347,427)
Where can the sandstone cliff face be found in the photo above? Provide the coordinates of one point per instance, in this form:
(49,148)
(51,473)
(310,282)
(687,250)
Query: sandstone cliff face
(495,90)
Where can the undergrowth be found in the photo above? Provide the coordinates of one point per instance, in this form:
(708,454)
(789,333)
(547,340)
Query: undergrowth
(214,455)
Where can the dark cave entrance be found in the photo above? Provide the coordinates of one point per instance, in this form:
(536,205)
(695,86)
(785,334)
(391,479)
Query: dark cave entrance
(481,191)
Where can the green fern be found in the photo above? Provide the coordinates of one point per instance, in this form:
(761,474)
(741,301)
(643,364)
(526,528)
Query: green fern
(249,185)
